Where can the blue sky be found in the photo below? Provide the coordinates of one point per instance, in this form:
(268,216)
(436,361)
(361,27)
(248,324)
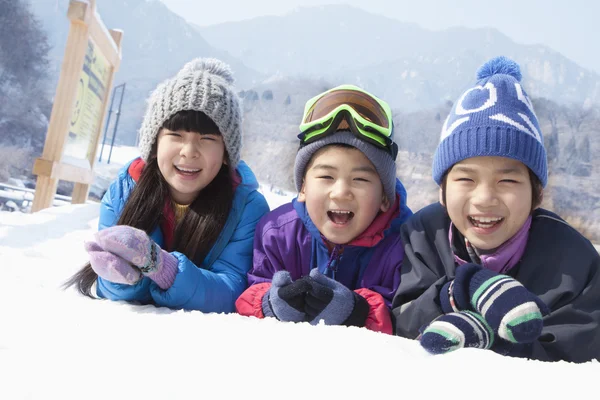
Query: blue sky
(570,27)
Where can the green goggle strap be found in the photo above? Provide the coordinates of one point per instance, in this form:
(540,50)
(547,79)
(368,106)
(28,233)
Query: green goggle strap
(375,139)
(323,124)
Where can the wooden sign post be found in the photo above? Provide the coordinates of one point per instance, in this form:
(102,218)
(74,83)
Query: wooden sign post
(92,56)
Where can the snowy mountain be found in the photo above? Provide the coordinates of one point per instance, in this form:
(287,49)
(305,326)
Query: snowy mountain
(411,67)
(156,44)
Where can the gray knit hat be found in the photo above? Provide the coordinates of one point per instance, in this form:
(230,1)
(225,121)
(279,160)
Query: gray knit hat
(382,160)
(203,84)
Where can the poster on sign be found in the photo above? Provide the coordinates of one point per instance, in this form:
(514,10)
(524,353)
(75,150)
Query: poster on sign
(89,104)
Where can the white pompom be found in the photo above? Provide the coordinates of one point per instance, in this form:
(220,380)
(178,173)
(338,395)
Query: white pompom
(210,65)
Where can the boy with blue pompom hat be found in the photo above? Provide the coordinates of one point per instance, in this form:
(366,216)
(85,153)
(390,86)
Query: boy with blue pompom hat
(485,267)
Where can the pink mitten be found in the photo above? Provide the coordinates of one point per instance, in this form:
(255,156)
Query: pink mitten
(136,247)
(111,267)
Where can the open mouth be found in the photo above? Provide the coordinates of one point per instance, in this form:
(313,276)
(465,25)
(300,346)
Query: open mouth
(485,222)
(340,217)
(187,171)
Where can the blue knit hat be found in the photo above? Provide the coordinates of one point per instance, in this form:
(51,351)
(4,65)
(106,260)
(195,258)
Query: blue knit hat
(494,118)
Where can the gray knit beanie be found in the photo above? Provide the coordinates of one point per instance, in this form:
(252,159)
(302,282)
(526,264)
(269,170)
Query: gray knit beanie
(382,160)
(203,84)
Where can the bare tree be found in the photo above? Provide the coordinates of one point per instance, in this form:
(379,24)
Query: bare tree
(584,150)
(547,109)
(576,115)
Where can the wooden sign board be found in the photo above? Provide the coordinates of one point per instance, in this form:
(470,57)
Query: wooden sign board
(92,56)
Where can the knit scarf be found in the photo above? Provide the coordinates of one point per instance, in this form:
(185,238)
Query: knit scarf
(500,260)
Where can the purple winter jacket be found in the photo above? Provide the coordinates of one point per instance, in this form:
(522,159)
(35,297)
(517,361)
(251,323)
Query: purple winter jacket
(287,239)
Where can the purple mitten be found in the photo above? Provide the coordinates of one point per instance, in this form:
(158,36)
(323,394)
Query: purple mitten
(136,247)
(111,267)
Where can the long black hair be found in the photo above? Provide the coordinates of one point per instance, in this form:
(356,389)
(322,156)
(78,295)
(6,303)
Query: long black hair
(204,220)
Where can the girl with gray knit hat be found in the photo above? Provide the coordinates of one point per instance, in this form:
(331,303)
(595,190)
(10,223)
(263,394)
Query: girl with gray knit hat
(176,226)
(334,253)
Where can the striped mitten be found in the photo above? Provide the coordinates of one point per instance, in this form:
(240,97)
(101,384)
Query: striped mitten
(514,313)
(456,330)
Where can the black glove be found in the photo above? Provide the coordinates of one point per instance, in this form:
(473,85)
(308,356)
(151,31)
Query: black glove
(334,303)
(286,299)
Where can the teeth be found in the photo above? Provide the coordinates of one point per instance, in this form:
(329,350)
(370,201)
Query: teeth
(484,220)
(340,217)
(187,170)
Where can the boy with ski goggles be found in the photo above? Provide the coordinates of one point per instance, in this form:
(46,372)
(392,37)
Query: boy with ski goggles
(365,115)
(334,252)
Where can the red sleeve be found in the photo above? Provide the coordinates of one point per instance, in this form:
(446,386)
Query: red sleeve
(379,318)
(250,301)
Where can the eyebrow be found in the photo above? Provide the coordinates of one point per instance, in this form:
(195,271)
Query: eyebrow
(362,168)
(167,131)
(509,170)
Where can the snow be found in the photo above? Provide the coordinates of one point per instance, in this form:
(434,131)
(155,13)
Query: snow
(118,156)
(56,344)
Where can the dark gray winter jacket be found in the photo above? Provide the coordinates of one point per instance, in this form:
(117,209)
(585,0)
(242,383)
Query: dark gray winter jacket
(559,265)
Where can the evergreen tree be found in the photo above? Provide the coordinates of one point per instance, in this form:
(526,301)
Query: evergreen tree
(24,104)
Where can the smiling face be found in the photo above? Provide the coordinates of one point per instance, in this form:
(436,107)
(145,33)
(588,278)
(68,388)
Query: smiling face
(189,161)
(343,193)
(488,199)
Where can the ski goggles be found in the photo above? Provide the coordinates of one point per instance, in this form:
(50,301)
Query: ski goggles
(369,118)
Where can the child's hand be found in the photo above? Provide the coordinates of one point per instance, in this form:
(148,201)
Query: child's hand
(111,267)
(285,299)
(131,244)
(514,313)
(334,303)
(135,246)
(456,330)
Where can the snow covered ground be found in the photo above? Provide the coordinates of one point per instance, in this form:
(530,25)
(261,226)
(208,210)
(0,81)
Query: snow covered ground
(56,344)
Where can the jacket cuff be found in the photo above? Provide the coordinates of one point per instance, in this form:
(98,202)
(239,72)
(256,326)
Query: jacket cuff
(379,318)
(165,276)
(446,300)
(250,301)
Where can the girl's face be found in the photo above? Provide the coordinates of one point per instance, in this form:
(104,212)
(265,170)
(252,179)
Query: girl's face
(343,193)
(488,199)
(189,161)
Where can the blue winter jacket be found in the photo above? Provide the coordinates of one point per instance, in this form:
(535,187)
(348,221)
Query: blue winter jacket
(217,283)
